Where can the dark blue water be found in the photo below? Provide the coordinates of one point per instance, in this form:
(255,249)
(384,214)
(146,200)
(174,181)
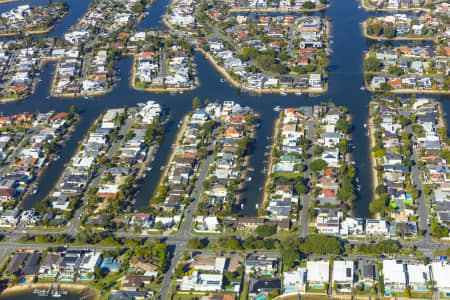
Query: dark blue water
(345,80)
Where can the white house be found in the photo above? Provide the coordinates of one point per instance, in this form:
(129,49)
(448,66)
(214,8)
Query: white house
(343,273)
(418,277)
(394,273)
(318,273)
(377,227)
(201,282)
(441,276)
(352,226)
(294,280)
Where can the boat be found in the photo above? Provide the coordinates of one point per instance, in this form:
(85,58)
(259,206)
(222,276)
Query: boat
(242,205)
(299,93)
(56,294)
(222,80)
(257,205)
(86,97)
(48,97)
(365,125)
(249,179)
(149,169)
(362,88)
(35,191)
(283,93)
(276,108)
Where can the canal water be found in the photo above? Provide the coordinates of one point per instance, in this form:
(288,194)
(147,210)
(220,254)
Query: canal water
(345,80)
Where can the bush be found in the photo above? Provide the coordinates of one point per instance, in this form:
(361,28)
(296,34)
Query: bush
(317,165)
(266,230)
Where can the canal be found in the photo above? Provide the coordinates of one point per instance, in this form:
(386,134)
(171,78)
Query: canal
(345,80)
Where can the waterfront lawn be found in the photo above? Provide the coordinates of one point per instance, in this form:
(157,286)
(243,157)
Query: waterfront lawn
(421,295)
(188,295)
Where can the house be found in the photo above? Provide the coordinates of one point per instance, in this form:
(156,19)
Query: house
(89,261)
(31,267)
(343,275)
(315,81)
(419,277)
(318,274)
(327,225)
(50,266)
(394,274)
(377,227)
(134,282)
(367,273)
(260,286)
(110,265)
(294,281)
(201,282)
(144,265)
(260,264)
(352,226)
(441,276)
(331,157)
(9,218)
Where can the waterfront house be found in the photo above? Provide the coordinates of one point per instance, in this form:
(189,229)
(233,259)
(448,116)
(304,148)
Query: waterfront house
(441,276)
(294,281)
(419,277)
(394,275)
(367,273)
(260,265)
(343,275)
(201,282)
(318,274)
(263,286)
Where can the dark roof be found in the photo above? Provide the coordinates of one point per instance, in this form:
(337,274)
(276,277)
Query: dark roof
(127,295)
(16,262)
(31,266)
(264,285)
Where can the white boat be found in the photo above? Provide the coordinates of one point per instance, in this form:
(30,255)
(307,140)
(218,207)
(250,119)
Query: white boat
(56,294)
(257,205)
(242,205)
(283,93)
(86,97)
(222,80)
(276,108)
(362,88)
(365,125)
(249,179)
(35,191)
(299,93)
(149,169)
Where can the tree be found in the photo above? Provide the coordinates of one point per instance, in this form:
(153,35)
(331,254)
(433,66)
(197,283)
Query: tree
(309,5)
(372,64)
(401,229)
(266,230)
(197,243)
(321,244)
(73,109)
(317,165)
(389,32)
(196,103)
